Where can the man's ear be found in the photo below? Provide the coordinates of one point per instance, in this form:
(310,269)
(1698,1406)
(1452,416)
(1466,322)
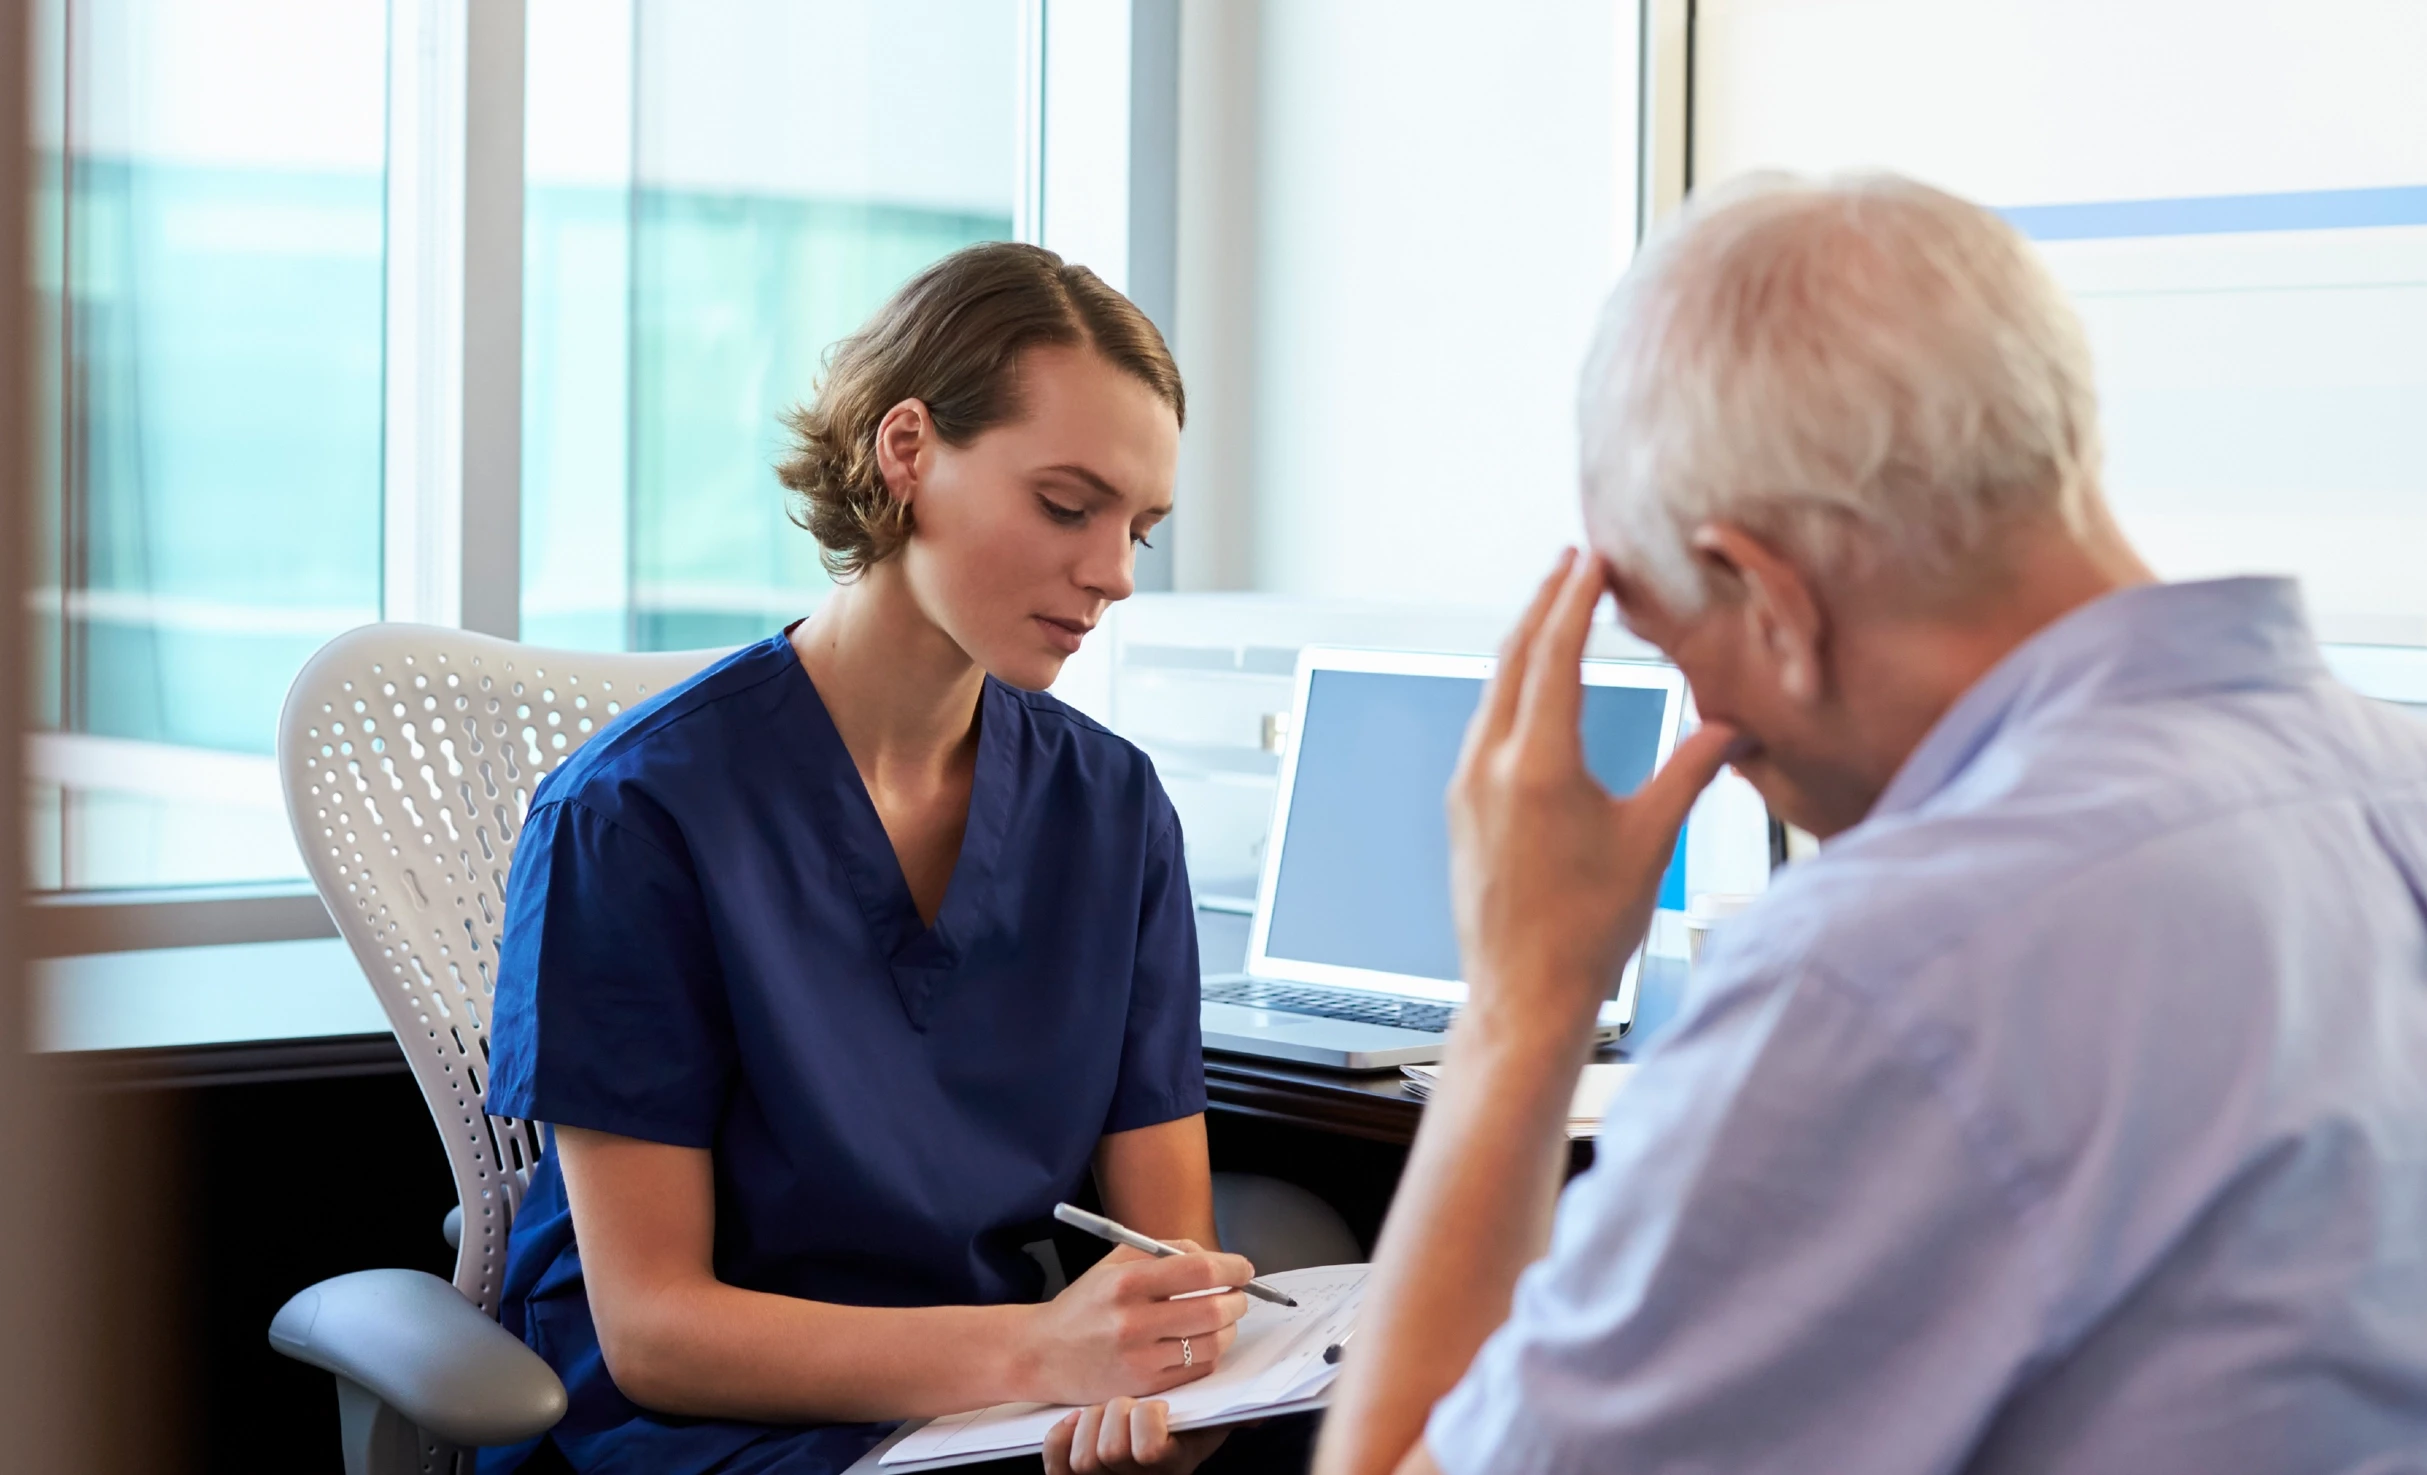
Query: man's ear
(901,437)
(1782,611)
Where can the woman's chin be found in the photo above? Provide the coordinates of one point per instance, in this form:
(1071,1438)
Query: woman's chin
(1027,670)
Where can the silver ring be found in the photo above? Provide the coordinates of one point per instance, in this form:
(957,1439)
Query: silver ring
(1188,1354)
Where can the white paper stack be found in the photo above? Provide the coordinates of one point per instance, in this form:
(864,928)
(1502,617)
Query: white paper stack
(1594,1090)
(1276,1363)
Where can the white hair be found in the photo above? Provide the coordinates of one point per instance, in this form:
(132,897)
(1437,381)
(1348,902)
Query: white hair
(1873,375)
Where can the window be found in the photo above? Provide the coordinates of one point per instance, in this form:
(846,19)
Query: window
(275,241)
(2237,202)
(244,257)
(209,262)
(717,192)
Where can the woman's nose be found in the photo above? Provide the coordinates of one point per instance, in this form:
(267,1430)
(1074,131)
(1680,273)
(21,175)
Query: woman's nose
(1111,571)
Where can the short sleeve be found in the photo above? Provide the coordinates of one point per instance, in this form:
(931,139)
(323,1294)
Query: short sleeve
(1162,1057)
(1791,1254)
(610,1007)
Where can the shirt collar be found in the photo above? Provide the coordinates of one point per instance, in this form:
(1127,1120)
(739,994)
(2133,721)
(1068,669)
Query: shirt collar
(2149,641)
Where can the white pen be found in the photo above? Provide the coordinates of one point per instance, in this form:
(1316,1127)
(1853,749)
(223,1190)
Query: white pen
(1122,1234)
(1332,1353)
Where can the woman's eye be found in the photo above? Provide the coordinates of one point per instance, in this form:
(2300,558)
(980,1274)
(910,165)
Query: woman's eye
(1140,540)
(1067,516)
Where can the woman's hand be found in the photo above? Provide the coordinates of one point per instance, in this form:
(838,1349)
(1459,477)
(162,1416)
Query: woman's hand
(1117,1330)
(1126,1437)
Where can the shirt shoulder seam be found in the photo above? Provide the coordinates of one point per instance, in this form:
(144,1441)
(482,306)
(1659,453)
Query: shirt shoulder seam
(580,801)
(1046,704)
(611,742)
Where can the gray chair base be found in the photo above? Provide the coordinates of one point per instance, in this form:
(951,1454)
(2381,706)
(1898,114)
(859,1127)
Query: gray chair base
(377,1440)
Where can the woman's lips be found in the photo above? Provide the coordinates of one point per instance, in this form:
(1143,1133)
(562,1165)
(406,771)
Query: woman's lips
(1063,635)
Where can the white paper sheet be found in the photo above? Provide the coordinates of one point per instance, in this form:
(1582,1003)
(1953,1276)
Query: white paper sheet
(1595,1088)
(1278,1358)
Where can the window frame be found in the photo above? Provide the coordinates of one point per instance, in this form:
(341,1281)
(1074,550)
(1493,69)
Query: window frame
(452,434)
(1665,99)
(452,472)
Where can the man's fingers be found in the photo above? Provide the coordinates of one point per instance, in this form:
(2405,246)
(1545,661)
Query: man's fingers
(1499,705)
(1550,708)
(1667,797)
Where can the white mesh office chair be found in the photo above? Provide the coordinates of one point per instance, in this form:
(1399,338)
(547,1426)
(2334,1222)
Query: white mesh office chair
(408,754)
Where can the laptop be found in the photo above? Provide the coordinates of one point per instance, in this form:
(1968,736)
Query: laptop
(1352,958)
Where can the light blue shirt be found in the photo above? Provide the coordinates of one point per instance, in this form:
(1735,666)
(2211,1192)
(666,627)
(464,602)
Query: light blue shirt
(2068,1114)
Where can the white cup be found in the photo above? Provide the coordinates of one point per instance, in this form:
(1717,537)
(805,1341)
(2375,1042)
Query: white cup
(1705,912)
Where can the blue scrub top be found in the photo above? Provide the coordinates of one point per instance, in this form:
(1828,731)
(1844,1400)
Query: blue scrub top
(709,943)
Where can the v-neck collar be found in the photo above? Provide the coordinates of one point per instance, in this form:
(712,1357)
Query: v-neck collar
(920,956)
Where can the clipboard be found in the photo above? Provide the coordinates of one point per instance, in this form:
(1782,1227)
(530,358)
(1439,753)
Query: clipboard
(1277,1365)
(870,1463)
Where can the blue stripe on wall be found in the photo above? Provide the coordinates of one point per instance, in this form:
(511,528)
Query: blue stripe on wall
(2202,215)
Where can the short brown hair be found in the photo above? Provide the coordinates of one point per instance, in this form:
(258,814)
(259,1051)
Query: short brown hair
(951,338)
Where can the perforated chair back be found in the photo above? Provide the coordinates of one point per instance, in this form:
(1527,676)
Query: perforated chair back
(408,754)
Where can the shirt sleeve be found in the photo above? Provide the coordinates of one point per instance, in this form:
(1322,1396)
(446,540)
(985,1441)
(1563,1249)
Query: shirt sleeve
(1162,1056)
(1794,1252)
(610,1007)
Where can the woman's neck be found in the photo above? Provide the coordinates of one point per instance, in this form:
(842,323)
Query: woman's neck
(902,693)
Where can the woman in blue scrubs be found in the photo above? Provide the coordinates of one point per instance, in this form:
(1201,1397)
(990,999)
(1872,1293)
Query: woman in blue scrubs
(833,968)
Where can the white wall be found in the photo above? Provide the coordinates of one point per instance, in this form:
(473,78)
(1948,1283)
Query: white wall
(2261,386)
(2028,101)
(1442,195)
(1212,536)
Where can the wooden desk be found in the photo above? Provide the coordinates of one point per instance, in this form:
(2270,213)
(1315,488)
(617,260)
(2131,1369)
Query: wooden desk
(1341,1134)
(1374,1105)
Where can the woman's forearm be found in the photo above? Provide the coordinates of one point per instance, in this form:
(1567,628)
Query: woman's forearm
(712,1350)
(679,1340)
(1158,1180)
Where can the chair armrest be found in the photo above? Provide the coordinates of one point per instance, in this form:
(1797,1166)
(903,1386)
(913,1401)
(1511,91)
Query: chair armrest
(415,1342)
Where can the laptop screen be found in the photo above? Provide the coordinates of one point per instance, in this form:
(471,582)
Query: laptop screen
(1363,875)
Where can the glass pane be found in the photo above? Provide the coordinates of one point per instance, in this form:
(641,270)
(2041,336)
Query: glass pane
(700,229)
(211,271)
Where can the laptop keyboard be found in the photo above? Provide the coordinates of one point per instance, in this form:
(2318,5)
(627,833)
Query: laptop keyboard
(1326,1003)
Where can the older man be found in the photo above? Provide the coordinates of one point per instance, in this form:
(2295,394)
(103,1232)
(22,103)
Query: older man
(2069,1111)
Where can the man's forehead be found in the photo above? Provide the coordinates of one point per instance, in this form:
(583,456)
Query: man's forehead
(1632,591)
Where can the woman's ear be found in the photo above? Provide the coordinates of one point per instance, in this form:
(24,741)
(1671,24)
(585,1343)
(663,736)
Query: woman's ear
(1785,621)
(901,448)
